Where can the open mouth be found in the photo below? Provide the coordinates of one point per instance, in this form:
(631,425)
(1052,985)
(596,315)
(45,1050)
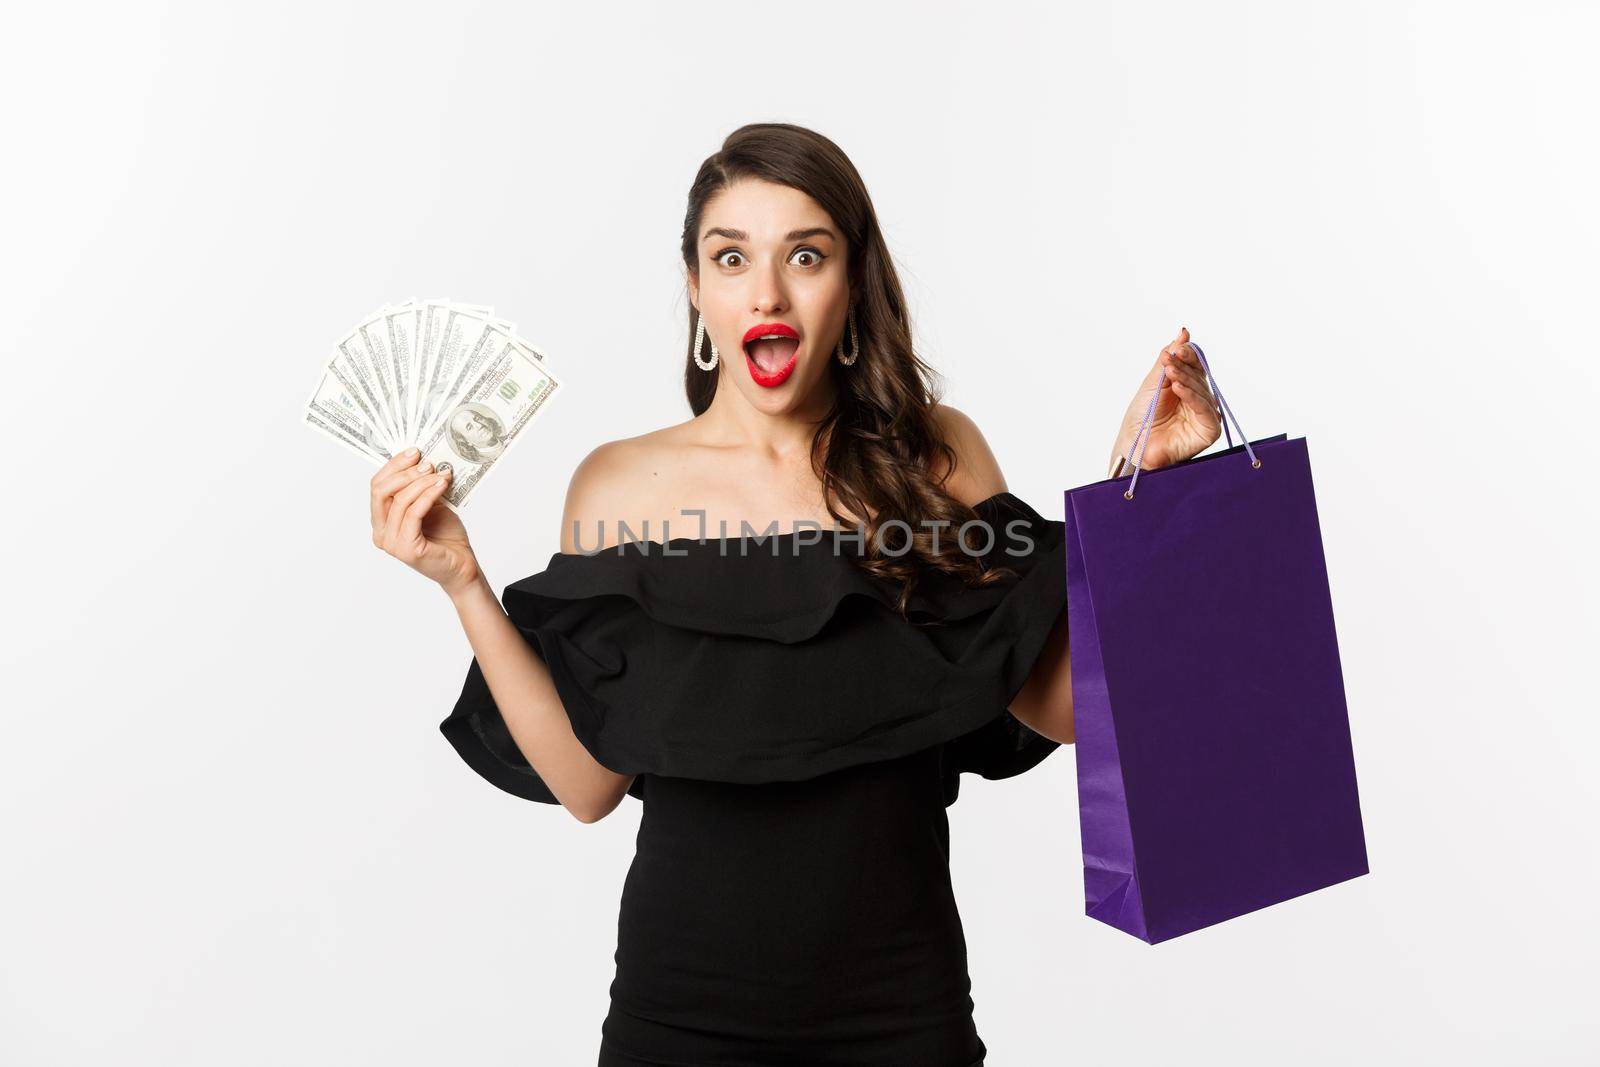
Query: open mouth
(772,352)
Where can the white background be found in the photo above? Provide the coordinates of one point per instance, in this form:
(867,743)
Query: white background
(232,832)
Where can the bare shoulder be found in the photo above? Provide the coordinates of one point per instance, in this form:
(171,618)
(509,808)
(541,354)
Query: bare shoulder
(619,481)
(976,475)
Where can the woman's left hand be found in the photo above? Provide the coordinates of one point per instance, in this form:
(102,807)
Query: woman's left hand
(1185,421)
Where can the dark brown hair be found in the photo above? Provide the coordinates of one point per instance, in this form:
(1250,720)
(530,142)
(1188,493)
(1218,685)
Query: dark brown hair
(876,450)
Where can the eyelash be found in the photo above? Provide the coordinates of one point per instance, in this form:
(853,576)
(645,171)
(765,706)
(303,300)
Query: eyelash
(803,248)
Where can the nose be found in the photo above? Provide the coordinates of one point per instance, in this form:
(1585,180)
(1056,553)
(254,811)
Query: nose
(768,296)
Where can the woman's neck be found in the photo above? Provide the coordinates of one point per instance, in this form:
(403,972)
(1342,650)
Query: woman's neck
(731,421)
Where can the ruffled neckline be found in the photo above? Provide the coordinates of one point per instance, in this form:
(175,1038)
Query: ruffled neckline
(767,666)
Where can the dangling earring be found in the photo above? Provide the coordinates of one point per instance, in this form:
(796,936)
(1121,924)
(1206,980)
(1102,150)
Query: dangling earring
(699,337)
(855,342)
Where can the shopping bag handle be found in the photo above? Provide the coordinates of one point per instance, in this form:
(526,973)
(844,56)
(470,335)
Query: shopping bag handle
(1224,413)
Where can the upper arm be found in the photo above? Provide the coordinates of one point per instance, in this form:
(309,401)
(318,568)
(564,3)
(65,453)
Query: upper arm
(1045,701)
(594,494)
(976,473)
(598,484)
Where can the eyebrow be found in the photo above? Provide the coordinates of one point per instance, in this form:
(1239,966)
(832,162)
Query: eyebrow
(792,235)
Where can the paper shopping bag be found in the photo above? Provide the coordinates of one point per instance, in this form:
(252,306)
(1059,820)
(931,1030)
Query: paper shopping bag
(1215,768)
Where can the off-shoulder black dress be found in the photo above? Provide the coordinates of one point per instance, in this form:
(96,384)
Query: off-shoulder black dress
(796,743)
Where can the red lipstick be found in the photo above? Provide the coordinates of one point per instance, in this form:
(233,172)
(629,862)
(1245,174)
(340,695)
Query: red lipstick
(777,375)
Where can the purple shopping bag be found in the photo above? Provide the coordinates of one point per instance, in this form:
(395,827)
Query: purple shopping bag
(1215,772)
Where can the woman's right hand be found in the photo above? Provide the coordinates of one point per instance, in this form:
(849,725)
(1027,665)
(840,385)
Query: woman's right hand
(432,541)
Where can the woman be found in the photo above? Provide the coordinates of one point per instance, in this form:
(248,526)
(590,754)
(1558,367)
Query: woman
(795,709)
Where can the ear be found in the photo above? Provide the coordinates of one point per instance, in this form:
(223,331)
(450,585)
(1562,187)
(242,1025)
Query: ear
(694,287)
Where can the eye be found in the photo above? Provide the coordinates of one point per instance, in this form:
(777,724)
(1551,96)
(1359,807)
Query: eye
(816,257)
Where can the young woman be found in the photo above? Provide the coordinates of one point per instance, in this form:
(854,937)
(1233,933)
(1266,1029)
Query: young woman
(794,708)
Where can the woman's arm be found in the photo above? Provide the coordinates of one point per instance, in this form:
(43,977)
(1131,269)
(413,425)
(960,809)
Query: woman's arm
(1045,701)
(522,689)
(433,542)
(521,684)
(1184,425)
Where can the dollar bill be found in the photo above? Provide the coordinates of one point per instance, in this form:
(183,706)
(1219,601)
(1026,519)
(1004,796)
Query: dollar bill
(339,402)
(387,337)
(357,365)
(448,327)
(453,379)
(481,423)
(336,408)
(373,453)
(474,354)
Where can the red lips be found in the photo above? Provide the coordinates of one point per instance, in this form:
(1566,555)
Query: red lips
(766,328)
(776,377)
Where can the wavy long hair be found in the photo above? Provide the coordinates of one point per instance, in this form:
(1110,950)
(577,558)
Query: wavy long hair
(876,449)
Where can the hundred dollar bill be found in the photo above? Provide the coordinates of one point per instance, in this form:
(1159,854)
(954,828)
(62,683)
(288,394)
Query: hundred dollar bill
(336,410)
(430,322)
(386,335)
(338,401)
(376,346)
(458,342)
(474,355)
(356,361)
(530,351)
(416,320)
(479,425)
(373,454)
(444,325)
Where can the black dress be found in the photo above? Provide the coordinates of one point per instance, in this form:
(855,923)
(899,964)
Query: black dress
(796,743)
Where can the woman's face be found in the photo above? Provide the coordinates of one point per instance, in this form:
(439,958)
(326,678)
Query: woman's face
(770,254)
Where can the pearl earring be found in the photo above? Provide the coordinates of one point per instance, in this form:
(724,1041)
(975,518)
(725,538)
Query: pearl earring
(855,342)
(699,338)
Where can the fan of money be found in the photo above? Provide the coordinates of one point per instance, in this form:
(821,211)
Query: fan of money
(452,379)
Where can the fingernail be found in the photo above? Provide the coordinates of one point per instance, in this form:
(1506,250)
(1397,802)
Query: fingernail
(411,451)
(426,467)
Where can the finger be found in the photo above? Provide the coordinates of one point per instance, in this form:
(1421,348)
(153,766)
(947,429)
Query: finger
(1160,361)
(1180,346)
(384,492)
(1192,377)
(1184,395)
(395,462)
(403,478)
(1189,376)
(397,510)
(1179,360)
(1197,401)
(411,523)
(398,462)
(1184,352)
